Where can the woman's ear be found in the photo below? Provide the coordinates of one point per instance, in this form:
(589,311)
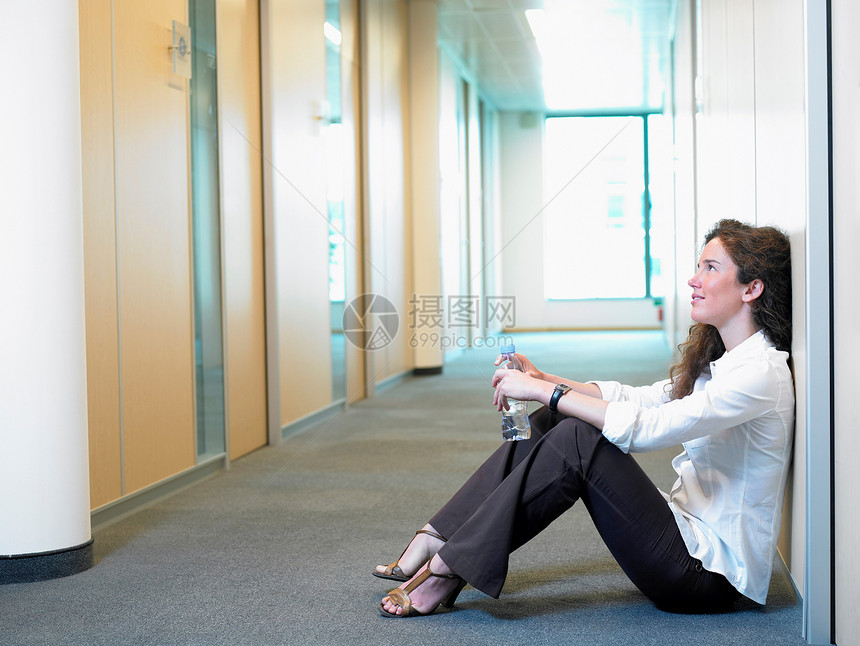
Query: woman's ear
(753,291)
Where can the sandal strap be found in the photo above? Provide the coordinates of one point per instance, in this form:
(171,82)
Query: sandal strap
(401,599)
(421,578)
(400,596)
(393,569)
(433,534)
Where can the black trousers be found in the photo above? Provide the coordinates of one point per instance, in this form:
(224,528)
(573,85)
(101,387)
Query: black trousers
(526,485)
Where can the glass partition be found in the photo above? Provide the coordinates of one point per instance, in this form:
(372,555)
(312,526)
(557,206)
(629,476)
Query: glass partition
(206,223)
(333,137)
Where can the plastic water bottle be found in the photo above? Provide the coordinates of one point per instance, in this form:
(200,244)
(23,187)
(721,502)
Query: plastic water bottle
(515,420)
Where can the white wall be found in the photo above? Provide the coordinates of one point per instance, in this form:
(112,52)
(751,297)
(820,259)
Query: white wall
(491,272)
(726,135)
(474,202)
(452,187)
(780,181)
(751,166)
(470,188)
(684,118)
(387,249)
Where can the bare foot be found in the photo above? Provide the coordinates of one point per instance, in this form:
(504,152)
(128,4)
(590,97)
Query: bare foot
(430,593)
(419,551)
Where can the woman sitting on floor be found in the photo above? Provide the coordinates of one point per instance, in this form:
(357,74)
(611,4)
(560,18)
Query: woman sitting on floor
(729,401)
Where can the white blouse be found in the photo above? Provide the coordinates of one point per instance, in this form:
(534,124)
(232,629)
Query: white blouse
(736,428)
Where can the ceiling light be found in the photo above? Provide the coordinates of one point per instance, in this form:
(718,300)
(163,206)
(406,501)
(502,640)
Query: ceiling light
(592,56)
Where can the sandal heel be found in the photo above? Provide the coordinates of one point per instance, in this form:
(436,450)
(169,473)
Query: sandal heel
(452,598)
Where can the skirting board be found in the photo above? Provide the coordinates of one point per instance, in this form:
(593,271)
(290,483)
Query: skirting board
(136,501)
(780,563)
(27,568)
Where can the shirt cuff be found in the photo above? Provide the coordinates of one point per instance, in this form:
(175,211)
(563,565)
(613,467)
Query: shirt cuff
(618,424)
(609,390)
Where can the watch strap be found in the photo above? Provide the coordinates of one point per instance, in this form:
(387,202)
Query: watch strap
(560,391)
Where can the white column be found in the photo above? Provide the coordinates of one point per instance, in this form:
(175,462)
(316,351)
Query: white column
(44,475)
(426,183)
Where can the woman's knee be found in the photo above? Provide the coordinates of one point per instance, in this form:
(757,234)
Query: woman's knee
(574,429)
(574,438)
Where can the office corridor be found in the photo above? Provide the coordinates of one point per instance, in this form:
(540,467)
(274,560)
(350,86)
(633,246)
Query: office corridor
(279,549)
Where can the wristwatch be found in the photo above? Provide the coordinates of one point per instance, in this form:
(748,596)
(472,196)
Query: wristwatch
(560,391)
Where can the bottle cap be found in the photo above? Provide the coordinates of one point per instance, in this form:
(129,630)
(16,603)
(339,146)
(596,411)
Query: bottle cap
(508,349)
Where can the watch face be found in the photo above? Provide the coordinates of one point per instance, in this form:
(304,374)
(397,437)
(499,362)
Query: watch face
(558,393)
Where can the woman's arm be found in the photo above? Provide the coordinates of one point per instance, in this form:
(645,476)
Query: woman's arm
(592,390)
(735,395)
(523,386)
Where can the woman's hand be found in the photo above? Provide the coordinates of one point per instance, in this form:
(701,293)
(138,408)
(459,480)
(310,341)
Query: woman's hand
(528,367)
(510,382)
(580,402)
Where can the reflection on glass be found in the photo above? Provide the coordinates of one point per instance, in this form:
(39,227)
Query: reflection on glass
(594,235)
(208,347)
(333,138)
(661,189)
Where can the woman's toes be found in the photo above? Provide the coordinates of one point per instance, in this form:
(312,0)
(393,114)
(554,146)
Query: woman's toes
(391,607)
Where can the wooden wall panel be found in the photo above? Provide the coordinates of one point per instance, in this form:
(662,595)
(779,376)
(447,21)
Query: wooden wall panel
(153,228)
(242,226)
(100,252)
(296,76)
(425,177)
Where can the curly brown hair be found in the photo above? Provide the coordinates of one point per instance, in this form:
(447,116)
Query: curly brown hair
(758,252)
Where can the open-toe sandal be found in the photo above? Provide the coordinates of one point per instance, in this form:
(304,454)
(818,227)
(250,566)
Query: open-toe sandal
(392,571)
(400,596)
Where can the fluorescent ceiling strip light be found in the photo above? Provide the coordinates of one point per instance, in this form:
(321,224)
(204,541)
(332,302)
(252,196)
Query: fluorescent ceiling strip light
(537,23)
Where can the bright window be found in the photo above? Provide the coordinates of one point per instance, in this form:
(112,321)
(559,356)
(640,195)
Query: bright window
(599,220)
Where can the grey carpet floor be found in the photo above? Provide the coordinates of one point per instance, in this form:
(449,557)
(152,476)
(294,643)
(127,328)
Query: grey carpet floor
(279,549)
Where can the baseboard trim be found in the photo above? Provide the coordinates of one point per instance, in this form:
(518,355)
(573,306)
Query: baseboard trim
(134,502)
(427,372)
(391,382)
(784,567)
(41,566)
(317,417)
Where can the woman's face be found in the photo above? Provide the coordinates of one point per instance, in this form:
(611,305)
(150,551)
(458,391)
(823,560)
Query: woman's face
(717,294)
